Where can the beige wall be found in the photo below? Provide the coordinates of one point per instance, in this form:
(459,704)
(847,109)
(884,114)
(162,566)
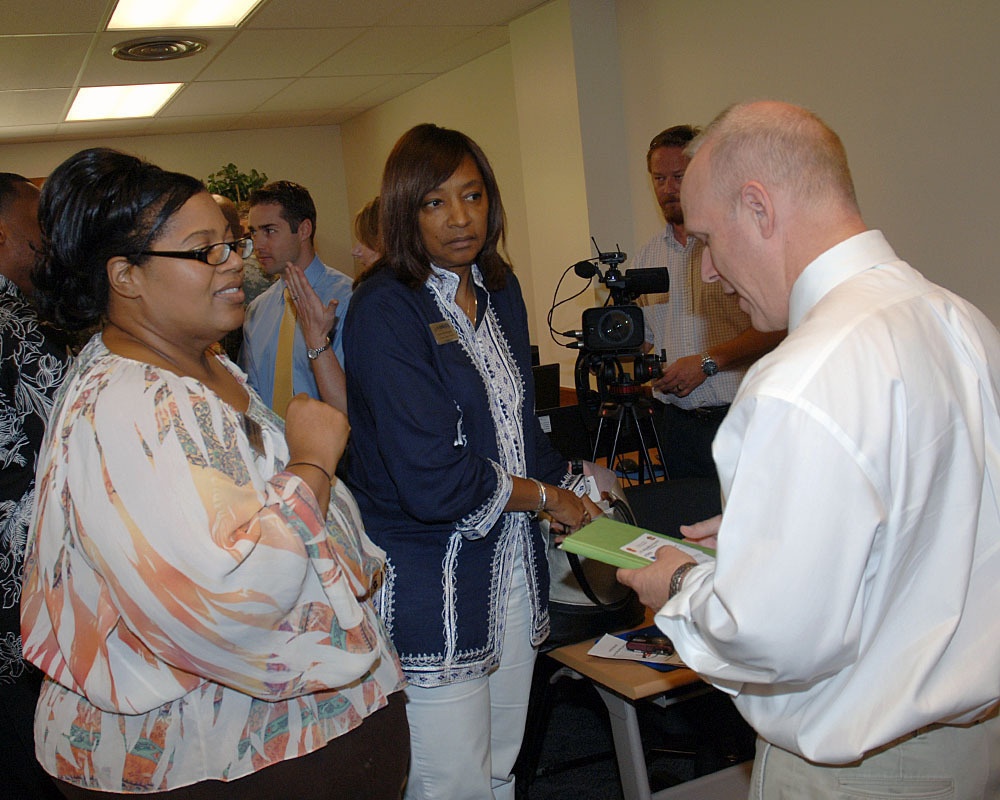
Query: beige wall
(310,156)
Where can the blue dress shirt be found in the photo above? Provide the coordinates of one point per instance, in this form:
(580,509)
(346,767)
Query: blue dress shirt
(263,320)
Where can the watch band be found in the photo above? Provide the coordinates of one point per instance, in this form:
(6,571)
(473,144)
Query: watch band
(312,353)
(677,579)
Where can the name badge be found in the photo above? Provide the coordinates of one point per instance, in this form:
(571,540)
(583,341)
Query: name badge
(443,332)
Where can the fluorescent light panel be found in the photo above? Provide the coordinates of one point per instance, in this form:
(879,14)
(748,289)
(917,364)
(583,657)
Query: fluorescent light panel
(143,14)
(121,102)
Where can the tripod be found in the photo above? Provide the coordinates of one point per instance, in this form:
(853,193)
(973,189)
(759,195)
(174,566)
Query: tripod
(625,411)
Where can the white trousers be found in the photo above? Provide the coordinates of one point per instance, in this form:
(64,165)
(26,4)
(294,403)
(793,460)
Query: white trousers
(465,737)
(948,763)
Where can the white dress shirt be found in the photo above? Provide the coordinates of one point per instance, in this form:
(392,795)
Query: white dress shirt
(855,595)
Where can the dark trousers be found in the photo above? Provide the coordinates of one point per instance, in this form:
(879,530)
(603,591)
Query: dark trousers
(367,763)
(686,439)
(21,776)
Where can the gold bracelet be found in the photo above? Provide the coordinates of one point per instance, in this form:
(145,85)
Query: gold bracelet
(329,477)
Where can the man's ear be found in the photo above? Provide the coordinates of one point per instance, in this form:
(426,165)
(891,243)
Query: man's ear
(756,201)
(305,230)
(122,276)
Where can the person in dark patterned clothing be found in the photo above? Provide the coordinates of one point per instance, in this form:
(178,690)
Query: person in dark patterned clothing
(31,369)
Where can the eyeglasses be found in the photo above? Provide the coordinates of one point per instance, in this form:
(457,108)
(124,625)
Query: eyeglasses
(213,255)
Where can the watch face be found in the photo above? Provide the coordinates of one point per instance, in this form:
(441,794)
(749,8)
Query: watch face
(709,367)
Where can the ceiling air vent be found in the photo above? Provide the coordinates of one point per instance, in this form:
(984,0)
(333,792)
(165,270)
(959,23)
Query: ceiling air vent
(159,48)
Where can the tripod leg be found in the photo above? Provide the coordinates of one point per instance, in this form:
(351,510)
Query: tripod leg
(644,458)
(659,448)
(597,438)
(620,413)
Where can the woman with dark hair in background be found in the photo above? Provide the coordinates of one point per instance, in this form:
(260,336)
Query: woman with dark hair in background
(197,584)
(450,465)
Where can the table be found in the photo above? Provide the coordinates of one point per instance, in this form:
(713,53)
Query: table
(621,684)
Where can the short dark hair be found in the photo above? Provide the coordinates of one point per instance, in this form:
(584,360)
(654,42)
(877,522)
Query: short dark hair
(98,204)
(294,200)
(10,186)
(424,158)
(677,136)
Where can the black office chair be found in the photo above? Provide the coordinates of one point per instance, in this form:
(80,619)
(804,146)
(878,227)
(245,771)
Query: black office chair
(664,506)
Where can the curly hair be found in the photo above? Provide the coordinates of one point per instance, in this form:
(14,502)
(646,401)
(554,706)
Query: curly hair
(98,204)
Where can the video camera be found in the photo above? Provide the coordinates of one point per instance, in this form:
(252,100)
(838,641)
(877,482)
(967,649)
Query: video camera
(617,330)
(609,333)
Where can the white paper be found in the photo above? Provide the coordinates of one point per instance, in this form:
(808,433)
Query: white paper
(646,545)
(609,646)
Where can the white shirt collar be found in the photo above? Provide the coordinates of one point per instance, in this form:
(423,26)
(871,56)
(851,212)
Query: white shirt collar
(833,267)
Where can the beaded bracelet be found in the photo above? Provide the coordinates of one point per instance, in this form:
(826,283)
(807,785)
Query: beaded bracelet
(329,477)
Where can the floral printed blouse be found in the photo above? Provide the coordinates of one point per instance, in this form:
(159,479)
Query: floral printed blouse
(196,617)
(31,369)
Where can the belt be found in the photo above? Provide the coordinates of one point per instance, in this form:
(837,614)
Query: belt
(702,412)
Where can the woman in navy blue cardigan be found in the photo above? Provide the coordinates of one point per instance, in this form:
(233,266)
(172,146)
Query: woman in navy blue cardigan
(449,464)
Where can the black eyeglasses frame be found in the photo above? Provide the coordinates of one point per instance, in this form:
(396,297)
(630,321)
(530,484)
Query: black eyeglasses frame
(201,254)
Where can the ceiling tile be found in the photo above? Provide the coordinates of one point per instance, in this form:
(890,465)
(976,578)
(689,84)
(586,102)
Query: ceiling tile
(322,94)
(277,54)
(460,12)
(320,13)
(383,51)
(40,107)
(194,124)
(223,97)
(55,16)
(394,87)
(41,62)
(280,119)
(485,41)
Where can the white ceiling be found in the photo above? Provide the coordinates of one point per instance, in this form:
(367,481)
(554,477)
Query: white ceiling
(293,62)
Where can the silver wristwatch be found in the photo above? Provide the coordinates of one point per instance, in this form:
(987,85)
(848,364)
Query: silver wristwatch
(708,365)
(313,352)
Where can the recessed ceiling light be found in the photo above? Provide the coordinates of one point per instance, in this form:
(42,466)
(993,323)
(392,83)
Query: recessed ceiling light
(120,102)
(157,48)
(141,14)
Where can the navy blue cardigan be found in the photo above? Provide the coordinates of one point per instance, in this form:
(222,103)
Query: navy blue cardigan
(422,463)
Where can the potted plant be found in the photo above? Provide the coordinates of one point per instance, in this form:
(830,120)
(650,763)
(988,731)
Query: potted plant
(236,185)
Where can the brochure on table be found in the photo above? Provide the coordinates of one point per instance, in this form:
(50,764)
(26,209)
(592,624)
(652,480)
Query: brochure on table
(612,645)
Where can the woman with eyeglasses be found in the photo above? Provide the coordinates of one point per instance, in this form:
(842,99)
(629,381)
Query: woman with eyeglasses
(197,587)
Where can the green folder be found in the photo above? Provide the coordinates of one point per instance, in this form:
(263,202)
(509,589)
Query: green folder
(623,545)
